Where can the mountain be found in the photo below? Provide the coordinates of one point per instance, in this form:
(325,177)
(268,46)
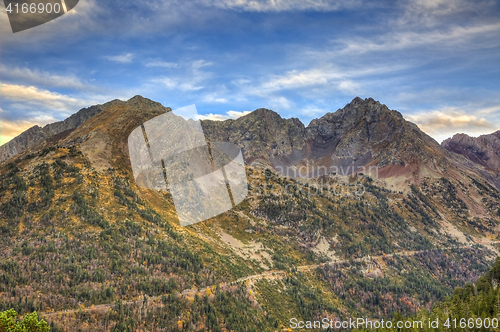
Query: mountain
(483,150)
(36,134)
(362,137)
(364,134)
(88,249)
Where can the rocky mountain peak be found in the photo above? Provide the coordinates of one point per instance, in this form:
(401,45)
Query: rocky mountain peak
(139,100)
(368,107)
(483,150)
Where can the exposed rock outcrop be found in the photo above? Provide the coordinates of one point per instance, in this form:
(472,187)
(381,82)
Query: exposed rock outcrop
(483,150)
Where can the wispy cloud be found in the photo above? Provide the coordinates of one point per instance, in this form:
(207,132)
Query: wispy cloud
(443,123)
(283,5)
(455,36)
(40,97)
(222,117)
(214,99)
(163,64)
(313,112)
(44,78)
(178,83)
(122,58)
(431,13)
(12,128)
(189,78)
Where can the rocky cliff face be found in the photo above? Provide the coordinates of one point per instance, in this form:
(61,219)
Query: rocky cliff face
(364,133)
(36,134)
(263,134)
(483,150)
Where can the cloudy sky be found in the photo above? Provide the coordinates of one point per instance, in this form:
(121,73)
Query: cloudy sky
(436,61)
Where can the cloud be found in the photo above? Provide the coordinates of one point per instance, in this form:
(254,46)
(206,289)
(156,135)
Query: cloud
(313,83)
(313,112)
(295,79)
(433,12)
(190,77)
(123,58)
(30,95)
(200,64)
(10,129)
(441,124)
(280,103)
(181,84)
(222,117)
(213,99)
(43,78)
(455,36)
(283,5)
(161,64)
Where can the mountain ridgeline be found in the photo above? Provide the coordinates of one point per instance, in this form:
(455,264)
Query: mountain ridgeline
(364,134)
(358,214)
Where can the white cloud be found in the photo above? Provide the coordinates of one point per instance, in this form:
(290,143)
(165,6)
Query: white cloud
(348,86)
(489,110)
(213,99)
(455,36)
(280,103)
(122,58)
(178,84)
(446,122)
(282,5)
(163,64)
(222,117)
(298,79)
(10,129)
(236,114)
(433,12)
(200,63)
(39,97)
(311,83)
(43,78)
(191,77)
(313,112)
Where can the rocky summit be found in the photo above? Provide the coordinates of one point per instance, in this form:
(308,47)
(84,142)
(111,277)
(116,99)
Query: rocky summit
(363,134)
(483,150)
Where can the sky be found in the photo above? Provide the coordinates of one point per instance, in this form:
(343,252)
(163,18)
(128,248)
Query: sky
(437,62)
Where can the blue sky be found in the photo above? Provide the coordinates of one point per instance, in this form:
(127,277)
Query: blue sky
(437,62)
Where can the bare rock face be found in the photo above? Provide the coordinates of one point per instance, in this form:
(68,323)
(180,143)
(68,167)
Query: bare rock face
(483,150)
(263,135)
(364,133)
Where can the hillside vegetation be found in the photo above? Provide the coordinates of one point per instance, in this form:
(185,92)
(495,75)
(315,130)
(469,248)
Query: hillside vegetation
(88,250)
